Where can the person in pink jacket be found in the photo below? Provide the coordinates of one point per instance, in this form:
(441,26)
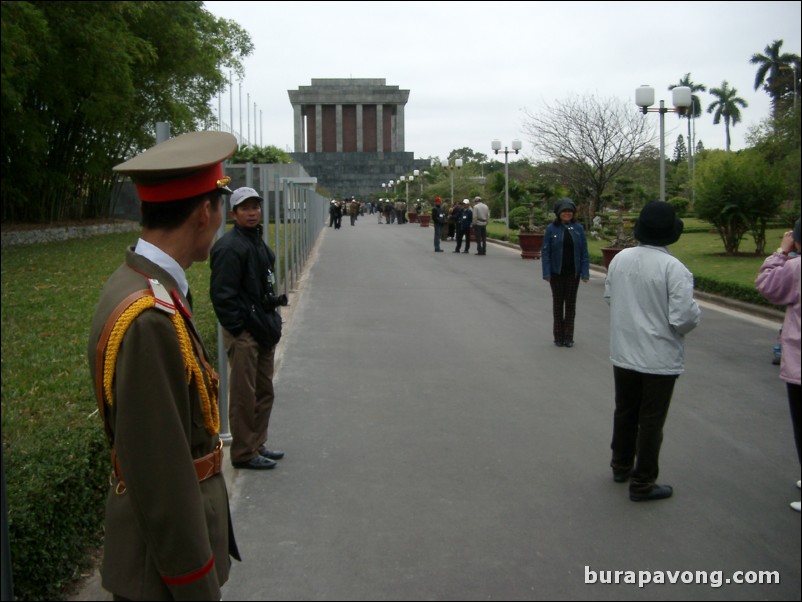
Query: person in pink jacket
(778,281)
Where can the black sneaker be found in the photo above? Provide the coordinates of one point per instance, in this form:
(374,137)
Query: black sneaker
(657,492)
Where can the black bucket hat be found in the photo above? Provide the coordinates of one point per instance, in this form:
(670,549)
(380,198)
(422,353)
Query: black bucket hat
(658,225)
(564,204)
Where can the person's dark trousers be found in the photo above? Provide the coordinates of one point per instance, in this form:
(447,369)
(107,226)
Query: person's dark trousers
(438,229)
(641,407)
(480,232)
(461,232)
(563,299)
(795,403)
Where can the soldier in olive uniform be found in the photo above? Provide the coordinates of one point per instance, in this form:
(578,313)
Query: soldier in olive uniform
(168,532)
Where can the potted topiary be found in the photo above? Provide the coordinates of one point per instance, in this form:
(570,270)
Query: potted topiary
(530,236)
(620,238)
(425,216)
(413,213)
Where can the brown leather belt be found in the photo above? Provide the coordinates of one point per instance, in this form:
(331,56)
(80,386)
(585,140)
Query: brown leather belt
(210,464)
(205,467)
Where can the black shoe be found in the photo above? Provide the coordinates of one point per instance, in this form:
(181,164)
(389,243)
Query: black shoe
(457,251)
(657,492)
(271,454)
(569,343)
(621,476)
(256,463)
(438,250)
(466,251)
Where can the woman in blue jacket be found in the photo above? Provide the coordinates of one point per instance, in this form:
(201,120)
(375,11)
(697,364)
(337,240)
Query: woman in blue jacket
(565,260)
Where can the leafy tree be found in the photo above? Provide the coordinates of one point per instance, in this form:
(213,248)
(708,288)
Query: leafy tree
(261,154)
(680,152)
(83,84)
(778,142)
(588,142)
(467,155)
(692,113)
(726,106)
(772,73)
(738,193)
(699,148)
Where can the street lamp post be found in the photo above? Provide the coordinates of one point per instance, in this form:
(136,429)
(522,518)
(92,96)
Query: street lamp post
(681,98)
(417,174)
(516,146)
(407,180)
(457,165)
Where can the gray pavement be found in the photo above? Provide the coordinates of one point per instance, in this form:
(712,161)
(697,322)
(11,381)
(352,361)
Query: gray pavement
(439,447)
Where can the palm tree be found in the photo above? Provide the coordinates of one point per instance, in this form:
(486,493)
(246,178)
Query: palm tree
(768,73)
(694,112)
(726,106)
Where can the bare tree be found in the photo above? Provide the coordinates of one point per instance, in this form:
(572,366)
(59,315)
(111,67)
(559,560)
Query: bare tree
(588,142)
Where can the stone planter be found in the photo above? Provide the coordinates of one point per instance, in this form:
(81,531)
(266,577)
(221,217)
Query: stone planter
(413,217)
(424,220)
(531,244)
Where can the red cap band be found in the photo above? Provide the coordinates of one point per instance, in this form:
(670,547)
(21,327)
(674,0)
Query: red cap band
(194,184)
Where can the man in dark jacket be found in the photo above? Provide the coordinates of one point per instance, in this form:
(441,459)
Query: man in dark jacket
(438,219)
(464,217)
(245,302)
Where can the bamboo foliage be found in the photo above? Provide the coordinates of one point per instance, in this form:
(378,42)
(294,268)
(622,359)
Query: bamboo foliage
(83,84)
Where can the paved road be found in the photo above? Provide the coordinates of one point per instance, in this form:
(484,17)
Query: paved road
(439,446)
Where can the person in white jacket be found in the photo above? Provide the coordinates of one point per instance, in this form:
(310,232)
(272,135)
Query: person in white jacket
(652,308)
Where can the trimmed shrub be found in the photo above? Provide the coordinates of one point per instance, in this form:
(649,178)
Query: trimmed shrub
(680,205)
(58,492)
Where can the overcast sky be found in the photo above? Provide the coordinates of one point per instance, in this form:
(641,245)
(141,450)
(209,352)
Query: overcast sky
(472,67)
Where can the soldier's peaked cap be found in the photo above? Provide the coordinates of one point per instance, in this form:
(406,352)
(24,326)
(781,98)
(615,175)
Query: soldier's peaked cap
(182,167)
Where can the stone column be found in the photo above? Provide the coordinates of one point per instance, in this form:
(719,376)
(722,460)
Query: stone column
(399,128)
(318,128)
(298,118)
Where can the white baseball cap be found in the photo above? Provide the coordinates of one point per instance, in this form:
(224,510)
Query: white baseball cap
(243,194)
